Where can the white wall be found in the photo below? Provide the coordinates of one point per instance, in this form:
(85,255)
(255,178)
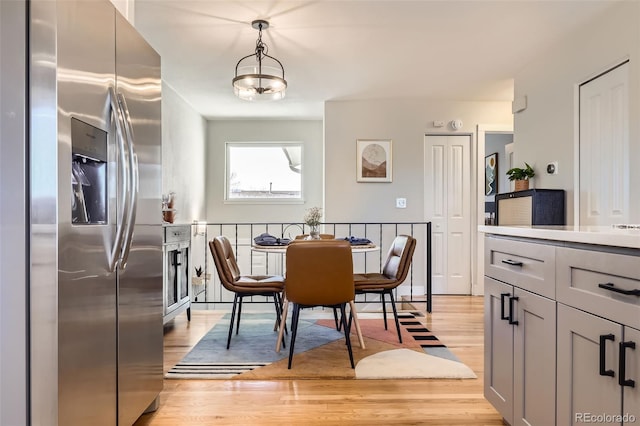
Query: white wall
(183,160)
(309,132)
(544,132)
(405,122)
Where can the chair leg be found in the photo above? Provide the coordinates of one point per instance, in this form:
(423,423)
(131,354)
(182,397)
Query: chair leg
(346,333)
(384,310)
(354,314)
(276,301)
(294,330)
(239,314)
(278,313)
(282,325)
(233,315)
(281,310)
(395,315)
(335,318)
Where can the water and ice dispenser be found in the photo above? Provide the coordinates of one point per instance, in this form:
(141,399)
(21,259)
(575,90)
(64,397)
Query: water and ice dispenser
(88,174)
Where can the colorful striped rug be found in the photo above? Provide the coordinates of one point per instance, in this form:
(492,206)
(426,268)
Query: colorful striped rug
(320,351)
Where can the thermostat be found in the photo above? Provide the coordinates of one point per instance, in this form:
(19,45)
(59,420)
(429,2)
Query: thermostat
(456,124)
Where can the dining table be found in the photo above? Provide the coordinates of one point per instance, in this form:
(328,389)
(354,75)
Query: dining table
(282,249)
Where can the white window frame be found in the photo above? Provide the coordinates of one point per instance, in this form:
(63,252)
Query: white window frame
(263,200)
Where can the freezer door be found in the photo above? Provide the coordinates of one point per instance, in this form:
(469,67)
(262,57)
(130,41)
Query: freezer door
(14,330)
(140,328)
(87,291)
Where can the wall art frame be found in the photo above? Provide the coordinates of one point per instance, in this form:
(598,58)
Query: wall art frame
(491,174)
(374,160)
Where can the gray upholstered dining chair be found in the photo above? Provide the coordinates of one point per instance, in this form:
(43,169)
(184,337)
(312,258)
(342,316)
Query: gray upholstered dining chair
(394,272)
(243,285)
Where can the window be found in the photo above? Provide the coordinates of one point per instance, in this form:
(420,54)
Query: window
(270,172)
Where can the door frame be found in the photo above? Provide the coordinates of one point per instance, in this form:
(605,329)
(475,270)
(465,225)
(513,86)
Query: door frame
(477,238)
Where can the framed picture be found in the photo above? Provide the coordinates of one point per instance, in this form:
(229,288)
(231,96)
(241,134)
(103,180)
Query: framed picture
(373,158)
(491,174)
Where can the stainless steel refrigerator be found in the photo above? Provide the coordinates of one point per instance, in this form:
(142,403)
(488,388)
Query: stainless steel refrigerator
(96,236)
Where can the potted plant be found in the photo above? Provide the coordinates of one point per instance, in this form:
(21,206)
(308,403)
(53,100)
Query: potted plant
(312,218)
(521,176)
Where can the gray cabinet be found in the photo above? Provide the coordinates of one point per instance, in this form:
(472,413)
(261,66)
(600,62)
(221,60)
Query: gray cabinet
(562,332)
(631,394)
(520,354)
(534,359)
(598,369)
(498,348)
(520,331)
(598,346)
(605,284)
(587,361)
(526,265)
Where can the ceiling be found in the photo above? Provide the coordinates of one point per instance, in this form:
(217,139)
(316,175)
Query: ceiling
(354,50)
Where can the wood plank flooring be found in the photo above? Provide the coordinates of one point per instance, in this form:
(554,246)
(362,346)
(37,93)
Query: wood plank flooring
(456,320)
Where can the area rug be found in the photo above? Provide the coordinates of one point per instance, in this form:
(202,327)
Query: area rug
(320,352)
(408,364)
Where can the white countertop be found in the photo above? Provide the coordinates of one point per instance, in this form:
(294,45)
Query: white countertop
(601,235)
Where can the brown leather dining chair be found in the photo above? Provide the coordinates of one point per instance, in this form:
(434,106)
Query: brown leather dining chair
(319,273)
(394,272)
(322,236)
(243,285)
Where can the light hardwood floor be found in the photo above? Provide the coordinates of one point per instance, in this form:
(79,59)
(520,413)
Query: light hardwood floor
(456,320)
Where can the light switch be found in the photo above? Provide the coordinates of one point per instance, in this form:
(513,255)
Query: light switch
(401,203)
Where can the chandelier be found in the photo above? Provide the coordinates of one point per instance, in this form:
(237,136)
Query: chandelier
(258,75)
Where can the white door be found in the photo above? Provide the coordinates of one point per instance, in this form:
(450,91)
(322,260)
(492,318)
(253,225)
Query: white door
(604,148)
(448,207)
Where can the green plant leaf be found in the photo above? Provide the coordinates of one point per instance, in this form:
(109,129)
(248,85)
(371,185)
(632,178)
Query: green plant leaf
(518,173)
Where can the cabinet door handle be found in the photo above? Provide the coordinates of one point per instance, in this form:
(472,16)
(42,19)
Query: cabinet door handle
(502,297)
(511,300)
(622,361)
(512,262)
(603,347)
(611,287)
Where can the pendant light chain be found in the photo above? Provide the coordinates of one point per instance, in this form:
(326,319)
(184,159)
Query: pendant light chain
(260,52)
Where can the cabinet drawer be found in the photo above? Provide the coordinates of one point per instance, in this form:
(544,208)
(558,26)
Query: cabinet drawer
(526,265)
(180,233)
(582,274)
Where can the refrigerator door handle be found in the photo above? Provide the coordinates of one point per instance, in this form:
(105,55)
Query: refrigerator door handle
(123,202)
(134,180)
